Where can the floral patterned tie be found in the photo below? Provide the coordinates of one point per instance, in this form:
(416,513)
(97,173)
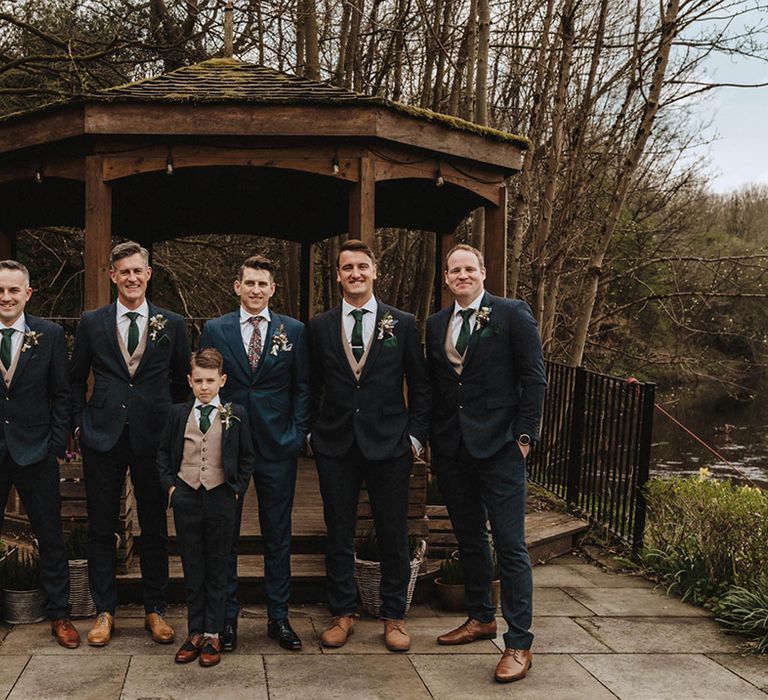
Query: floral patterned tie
(254,347)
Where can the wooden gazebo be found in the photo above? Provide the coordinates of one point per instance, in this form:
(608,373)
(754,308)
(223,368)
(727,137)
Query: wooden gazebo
(230,147)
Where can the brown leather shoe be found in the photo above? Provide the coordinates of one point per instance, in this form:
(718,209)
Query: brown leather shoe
(190,650)
(102,629)
(210,653)
(338,631)
(161,631)
(396,636)
(468,632)
(514,665)
(65,633)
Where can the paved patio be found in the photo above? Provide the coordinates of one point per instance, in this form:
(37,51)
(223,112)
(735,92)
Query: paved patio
(598,635)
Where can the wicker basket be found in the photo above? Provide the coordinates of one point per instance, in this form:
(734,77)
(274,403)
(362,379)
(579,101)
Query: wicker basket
(368,579)
(79,589)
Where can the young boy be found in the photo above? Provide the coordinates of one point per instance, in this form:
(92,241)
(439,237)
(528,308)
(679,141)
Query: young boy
(205,461)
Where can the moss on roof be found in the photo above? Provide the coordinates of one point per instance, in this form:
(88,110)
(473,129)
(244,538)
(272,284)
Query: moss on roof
(226,80)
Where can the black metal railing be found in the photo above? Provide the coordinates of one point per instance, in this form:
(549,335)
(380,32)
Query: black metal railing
(595,444)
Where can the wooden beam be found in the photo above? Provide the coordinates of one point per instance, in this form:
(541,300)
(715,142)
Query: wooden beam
(362,203)
(496,245)
(7,245)
(307,282)
(97,234)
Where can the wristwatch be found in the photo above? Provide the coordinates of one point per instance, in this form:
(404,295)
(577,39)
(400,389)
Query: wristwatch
(524,440)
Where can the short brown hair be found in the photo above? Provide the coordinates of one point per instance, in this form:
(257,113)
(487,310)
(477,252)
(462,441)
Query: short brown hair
(469,249)
(125,250)
(207,358)
(15,265)
(257,262)
(353,245)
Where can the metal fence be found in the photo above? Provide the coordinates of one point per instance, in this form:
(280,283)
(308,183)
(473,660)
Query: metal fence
(595,445)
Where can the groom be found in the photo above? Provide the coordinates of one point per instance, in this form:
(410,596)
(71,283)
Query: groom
(363,429)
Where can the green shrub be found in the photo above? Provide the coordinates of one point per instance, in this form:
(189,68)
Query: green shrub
(746,612)
(451,572)
(367,547)
(20,573)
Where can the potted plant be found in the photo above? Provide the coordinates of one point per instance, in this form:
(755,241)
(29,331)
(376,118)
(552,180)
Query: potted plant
(23,600)
(76,544)
(449,585)
(368,570)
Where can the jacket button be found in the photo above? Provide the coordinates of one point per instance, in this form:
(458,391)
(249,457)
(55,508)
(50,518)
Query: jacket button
(7,421)
(357,410)
(460,384)
(460,406)
(123,406)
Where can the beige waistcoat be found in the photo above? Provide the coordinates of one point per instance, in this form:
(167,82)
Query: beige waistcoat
(132,361)
(201,461)
(355,366)
(8,373)
(456,360)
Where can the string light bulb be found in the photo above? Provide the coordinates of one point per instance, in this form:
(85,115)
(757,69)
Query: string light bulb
(169,164)
(439,180)
(39,176)
(335,164)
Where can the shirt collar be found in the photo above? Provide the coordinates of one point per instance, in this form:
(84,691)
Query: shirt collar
(20,324)
(474,304)
(215,402)
(371,305)
(245,315)
(143,310)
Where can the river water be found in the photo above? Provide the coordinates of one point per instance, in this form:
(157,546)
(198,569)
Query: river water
(737,430)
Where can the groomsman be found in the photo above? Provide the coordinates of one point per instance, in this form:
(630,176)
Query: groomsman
(487,374)
(364,430)
(34,424)
(139,356)
(265,359)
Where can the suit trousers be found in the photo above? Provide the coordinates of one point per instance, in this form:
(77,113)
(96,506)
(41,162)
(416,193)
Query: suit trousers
(387,482)
(38,487)
(204,522)
(275,484)
(478,490)
(104,478)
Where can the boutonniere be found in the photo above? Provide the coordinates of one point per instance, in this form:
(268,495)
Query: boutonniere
(483,318)
(387,330)
(156,324)
(31,340)
(227,415)
(280,341)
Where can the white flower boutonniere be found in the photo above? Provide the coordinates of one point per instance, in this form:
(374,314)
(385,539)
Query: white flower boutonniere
(280,341)
(31,340)
(483,316)
(387,326)
(227,415)
(156,324)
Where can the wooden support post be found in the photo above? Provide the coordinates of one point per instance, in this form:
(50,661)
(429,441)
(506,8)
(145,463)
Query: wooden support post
(496,245)
(97,235)
(7,245)
(307,282)
(443,296)
(362,203)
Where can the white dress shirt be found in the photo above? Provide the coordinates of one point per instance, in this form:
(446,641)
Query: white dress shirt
(215,402)
(369,320)
(246,327)
(457,320)
(19,329)
(124,323)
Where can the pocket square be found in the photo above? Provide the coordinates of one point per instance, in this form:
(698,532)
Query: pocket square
(390,342)
(488,331)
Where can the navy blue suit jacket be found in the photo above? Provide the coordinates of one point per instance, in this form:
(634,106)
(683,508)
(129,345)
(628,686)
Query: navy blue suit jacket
(36,408)
(370,410)
(500,392)
(237,454)
(142,401)
(276,396)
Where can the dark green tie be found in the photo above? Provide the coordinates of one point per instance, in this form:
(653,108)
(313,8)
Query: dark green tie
(133,331)
(205,417)
(357,333)
(5,347)
(466,330)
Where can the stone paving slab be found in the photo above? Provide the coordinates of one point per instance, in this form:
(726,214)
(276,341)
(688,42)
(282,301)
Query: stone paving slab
(10,669)
(751,667)
(368,638)
(237,676)
(650,635)
(558,576)
(557,635)
(469,677)
(633,602)
(556,602)
(604,579)
(57,678)
(667,677)
(252,637)
(346,677)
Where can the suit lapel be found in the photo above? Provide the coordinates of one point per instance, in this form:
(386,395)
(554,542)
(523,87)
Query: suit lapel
(24,357)
(376,344)
(181,429)
(266,345)
(234,338)
(151,344)
(109,320)
(444,326)
(474,339)
(336,330)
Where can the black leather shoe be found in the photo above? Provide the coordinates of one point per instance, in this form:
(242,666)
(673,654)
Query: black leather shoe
(282,631)
(228,635)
